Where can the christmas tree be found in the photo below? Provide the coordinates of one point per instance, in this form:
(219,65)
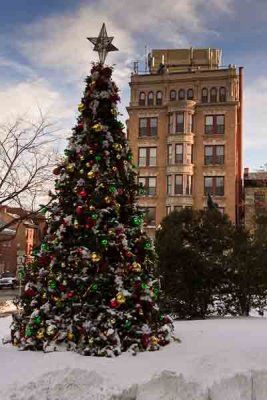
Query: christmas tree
(90,287)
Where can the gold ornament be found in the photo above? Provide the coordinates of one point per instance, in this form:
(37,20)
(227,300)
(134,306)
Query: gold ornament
(70,336)
(95,257)
(70,167)
(88,164)
(90,174)
(117,146)
(91,341)
(40,333)
(136,267)
(154,341)
(91,208)
(51,330)
(120,298)
(81,157)
(81,171)
(108,199)
(98,127)
(81,107)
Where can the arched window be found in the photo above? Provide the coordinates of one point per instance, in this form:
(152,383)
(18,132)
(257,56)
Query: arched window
(204,95)
(213,95)
(159,98)
(181,94)
(142,99)
(173,95)
(190,94)
(150,99)
(222,94)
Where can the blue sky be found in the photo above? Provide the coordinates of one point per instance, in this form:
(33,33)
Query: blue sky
(44,54)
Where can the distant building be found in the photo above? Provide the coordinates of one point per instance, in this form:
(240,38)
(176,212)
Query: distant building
(19,238)
(255,196)
(185,131)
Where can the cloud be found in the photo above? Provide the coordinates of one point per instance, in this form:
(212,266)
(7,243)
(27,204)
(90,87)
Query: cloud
(27,98)
(255,121)
(58,42)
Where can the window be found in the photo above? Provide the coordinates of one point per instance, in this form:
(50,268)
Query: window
(214,185)
(147,156)
(190,122)
(222,94)
(149,216)
(190,94)
(214,154)
(169,184)
(178,184)
(188,154)
(180,122)
(173,95)
(189,184)
(170,123)
(181,94)
(150,99)
(177,208)
(204,95)
(259,201)
(169,154)
(168,210)
(148,185)
(179,154)
(214,124)
(148,126)
(159,98)
(213,95)
(142,99)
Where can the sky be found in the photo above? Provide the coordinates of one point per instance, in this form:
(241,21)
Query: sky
(45,57)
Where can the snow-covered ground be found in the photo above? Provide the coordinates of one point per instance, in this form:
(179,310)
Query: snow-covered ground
(218,359)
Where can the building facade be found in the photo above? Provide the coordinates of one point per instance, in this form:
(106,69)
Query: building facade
(18,240)
(255,197)
(185,131)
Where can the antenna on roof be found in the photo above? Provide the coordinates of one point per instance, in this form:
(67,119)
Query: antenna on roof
(146,58)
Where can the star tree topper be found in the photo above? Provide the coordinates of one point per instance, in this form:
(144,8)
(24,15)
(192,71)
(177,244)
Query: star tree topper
(102,44)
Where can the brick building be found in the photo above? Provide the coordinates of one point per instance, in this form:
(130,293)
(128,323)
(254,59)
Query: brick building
(185,131)
(255,196)
(19,238)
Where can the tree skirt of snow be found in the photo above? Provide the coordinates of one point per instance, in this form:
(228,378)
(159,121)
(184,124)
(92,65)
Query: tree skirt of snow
(218,359)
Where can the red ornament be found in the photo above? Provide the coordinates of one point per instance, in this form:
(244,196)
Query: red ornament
(83,193)
(29,292)
(80,125)
(79,210)
(56,171)
(114,303)
(145,340)
(70,294)
(89,223)
(120,191)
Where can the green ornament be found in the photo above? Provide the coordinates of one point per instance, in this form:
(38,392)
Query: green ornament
(43,210)
(104,242)
(144,285)
(52,284)
(98,158)
(161,317)
(29,331)
(147,246)
(156,292)
(37,320)
(94,216)
(127,324)
(130,156)
(137,221)
(94,287)
(112,189)
(45,246)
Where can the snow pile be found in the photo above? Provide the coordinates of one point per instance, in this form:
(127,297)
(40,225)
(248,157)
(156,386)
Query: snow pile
(218,359)
(7,307)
